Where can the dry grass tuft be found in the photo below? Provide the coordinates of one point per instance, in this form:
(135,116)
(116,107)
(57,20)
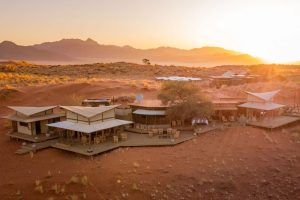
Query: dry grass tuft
(39,188)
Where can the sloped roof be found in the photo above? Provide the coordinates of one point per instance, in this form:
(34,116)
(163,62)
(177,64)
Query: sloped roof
(28,111)
(262,106)
(264,95)
(149,112)
(89,128)
(33,119)
(88,112)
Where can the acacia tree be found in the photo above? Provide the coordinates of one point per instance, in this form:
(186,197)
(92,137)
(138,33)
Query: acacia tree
(186,100)
(146,61)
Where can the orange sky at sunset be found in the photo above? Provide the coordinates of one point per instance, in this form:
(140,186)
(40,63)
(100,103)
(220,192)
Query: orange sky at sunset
(264,28)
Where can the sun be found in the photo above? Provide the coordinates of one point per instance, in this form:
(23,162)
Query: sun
(267,31)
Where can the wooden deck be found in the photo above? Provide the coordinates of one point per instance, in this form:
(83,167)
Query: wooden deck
(30,138)
(134,140)
(275,122)
(36,146)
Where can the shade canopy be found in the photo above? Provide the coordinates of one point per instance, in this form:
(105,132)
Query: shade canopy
(89,128)
(267,96)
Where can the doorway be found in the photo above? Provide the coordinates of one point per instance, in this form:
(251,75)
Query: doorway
(38,127)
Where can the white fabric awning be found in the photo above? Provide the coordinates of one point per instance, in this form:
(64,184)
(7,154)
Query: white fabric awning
(89,128)
(149,112)
(262,106)
(264,95)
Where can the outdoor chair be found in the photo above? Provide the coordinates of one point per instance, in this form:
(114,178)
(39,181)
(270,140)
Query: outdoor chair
(173,131)
(160,131)
(137,126)
(177,135)
(124,136)
(224,119)
(97,140)
(155,131)
(169,131)
(115,139)
(173,123)
(151,134)
(84,140)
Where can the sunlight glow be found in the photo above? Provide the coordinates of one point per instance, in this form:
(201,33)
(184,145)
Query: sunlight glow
(267,29)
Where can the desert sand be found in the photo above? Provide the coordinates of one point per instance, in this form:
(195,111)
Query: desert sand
(233,163)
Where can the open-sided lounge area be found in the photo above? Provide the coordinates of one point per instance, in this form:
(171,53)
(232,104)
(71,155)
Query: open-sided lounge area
(89,125)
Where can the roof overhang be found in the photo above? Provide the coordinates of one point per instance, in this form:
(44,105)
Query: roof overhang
(262,106)
(33,119)
(89,128)
(150,112)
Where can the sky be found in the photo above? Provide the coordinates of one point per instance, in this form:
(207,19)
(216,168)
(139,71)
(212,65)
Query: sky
(268,29)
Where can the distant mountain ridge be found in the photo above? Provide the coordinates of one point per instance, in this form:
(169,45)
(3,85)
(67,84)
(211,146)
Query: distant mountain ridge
(79,51)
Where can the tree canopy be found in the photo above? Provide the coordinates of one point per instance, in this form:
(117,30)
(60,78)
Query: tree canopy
(186,100)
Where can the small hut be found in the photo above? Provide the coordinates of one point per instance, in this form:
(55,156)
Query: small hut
(29,123)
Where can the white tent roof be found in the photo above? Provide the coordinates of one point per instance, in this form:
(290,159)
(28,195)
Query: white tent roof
(28,111)
(178,78)
(262,106)
(149,112)
(89,128)
(228,74)
(264,95)
(88,112)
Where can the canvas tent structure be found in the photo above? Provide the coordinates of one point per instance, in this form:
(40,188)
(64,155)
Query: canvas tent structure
(149,112)
(231,78)
(30,123)
(88,125)
(261,105)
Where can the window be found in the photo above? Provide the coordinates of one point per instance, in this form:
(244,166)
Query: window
(24,124)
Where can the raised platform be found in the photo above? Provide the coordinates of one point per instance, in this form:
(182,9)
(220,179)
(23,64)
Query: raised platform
(36,146)
(275,122)
(134,140)
(31,138)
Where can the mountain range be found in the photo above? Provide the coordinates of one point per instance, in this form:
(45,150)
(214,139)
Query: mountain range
(77,51)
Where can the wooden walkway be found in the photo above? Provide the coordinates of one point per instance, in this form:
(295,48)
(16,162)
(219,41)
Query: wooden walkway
(30,138)
(36,146)
(134,140)
(275,122)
